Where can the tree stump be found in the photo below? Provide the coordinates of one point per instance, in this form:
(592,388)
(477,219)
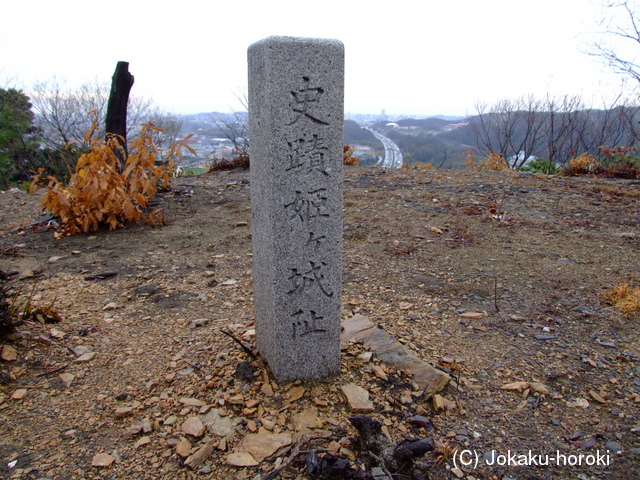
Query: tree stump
(116,120)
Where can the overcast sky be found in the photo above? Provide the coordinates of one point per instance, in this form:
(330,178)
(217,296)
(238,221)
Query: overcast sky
(423,57)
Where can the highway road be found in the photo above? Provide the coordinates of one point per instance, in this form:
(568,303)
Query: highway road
(392,154)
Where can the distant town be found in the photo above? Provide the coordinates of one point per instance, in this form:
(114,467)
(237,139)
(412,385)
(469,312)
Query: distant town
(221,136)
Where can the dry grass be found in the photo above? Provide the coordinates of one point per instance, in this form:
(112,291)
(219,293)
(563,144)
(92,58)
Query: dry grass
(624,297)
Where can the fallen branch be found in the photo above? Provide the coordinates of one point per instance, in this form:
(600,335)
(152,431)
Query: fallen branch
(239,342)
(61,367)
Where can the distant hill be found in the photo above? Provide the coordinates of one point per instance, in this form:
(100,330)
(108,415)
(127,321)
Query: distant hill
(437,141)
(354,134)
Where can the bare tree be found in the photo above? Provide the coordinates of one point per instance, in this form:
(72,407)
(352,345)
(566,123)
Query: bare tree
(615,124)
(170,124)
(556,128)
(236,129)
(512,128)
(618,44)
(562,114)
(62,113)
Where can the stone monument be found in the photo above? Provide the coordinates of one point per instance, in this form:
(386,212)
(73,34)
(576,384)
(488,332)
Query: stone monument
(296,120)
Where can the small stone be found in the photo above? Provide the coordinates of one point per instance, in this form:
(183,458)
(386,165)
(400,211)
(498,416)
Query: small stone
(205,470)
(9,354)
(357,398)
(457,472)
(81,350)
(241,459)
(320,402)
(597,397)
(54,259)
(268,424)
(545,337)
(57,334)
(245,371)
(198,322)
(183,449)
(87,357)
(581,402)
(142,441)
(146,426)
(305,420)
(539,387)
(102,460)
(267,389)
(472,315)
(296,393)
(122,412)
(613,447)
(192,402)
(442,403)
(110,306)
(133,430)
(364,357)
(378,372)
(252,426)
(67,378)
(217,424)
(263,445)
(193,426)
(405,398)
(19,394)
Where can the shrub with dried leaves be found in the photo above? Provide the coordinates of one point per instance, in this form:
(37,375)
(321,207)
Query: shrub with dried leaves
(493,161)
(348,157)
(583,165)
(102,191)
(241,161)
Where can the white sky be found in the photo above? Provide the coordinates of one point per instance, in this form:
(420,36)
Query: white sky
(414,57)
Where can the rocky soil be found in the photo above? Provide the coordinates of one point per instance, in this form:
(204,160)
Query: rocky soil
(495,278)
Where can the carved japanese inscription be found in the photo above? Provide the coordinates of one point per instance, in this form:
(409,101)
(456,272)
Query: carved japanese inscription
(296,90)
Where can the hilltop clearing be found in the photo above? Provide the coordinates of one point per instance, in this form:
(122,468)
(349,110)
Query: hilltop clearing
(494,277)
